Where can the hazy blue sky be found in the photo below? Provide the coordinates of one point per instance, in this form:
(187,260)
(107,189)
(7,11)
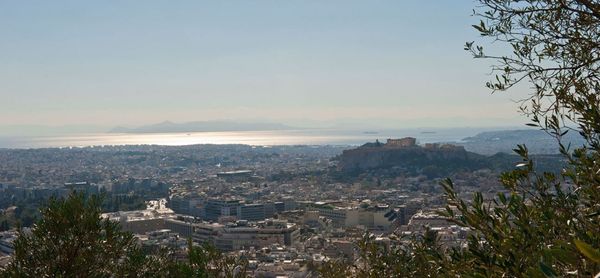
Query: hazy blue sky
(400,63)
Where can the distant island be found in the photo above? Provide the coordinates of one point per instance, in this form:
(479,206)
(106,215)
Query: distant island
(200,126)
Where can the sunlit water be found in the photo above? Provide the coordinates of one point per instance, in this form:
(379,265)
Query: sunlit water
(262,138)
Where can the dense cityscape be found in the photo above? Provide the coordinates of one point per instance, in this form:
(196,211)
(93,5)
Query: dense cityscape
(300,139)
(284,208)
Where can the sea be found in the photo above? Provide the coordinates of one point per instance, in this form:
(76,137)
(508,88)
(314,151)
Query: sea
(257,138)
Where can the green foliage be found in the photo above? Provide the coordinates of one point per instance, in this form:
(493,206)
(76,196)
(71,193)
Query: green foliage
(421,256)
(530,229)
(555,47)
(122,202)
(206,261)
(588,251)
(533,229)
(27,213)
(72,240)
(544,224)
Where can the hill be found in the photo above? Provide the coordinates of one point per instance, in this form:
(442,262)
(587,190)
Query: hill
(537,141)
(434,160)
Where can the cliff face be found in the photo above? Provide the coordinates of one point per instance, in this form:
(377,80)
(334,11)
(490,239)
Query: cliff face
(433,160)
(412,157)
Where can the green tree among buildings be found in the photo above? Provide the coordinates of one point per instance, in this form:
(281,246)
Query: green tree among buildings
(73,240)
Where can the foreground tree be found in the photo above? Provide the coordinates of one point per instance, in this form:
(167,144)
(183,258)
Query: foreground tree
(206,261)
(420,256)
(545,224)
(72,240)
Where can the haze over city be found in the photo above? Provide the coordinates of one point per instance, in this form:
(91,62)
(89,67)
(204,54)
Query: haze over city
(300,138)
(92,66)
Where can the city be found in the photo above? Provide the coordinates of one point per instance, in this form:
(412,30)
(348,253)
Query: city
(284,208)
(300,139)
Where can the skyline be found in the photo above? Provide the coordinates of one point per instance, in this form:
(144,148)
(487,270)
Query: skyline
(302,63)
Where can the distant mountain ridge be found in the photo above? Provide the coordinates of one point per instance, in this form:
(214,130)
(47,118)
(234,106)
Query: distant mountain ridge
(200,126)
(537,141)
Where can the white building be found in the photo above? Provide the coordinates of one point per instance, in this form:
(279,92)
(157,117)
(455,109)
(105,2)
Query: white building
(142,221)
(377,217)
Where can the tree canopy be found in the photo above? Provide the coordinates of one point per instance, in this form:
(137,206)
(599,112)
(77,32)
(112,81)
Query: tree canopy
(544,224)
(72,240)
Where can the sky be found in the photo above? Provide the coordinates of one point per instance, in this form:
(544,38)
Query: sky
(108,63)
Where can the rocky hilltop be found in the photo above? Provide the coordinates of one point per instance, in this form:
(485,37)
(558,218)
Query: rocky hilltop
(406,154)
